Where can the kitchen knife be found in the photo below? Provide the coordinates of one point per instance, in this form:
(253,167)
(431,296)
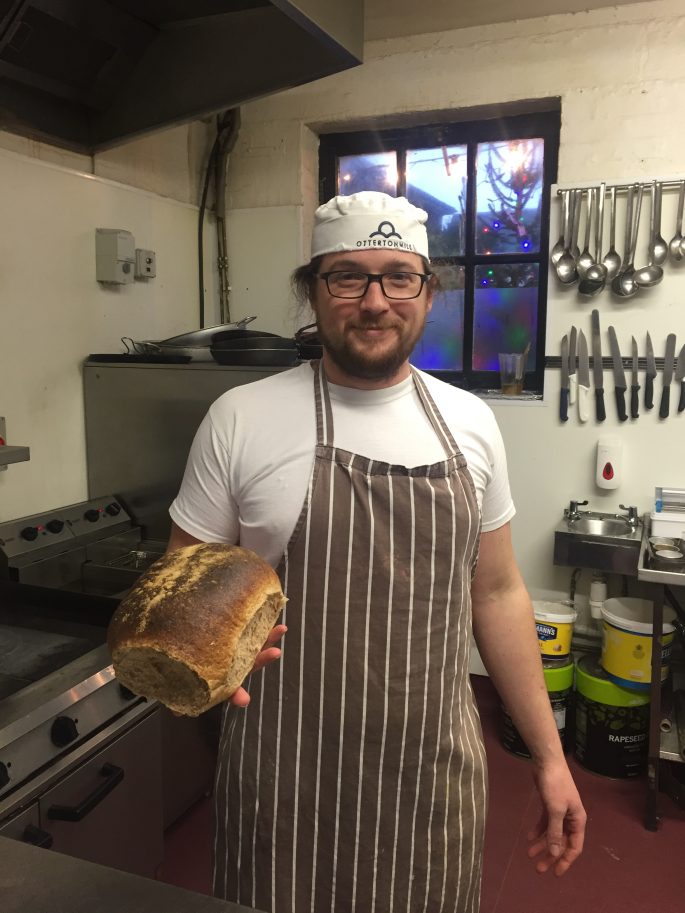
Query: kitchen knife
(667,375)
(634,386)
(597,372)
(650,375)
(572,376)
(583,378)
(563,399)
(619,376)
(680,376)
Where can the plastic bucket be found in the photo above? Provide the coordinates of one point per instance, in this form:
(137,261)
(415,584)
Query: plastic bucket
(554,623)
(559,682)
(611,723)
(627,642)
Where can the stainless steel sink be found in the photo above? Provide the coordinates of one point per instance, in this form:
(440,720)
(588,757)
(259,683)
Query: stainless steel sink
(601,541)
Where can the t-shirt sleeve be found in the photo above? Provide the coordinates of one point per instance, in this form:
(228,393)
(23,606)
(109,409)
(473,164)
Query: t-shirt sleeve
(204,506)
(498,506)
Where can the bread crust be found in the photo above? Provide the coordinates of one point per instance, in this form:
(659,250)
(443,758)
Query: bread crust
(193,606)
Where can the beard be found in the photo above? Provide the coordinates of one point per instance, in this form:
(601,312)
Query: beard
(369,362)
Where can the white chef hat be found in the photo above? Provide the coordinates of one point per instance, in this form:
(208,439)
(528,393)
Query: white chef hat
(368,220)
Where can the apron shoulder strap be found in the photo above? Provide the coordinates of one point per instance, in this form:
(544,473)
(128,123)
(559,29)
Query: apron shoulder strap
(435,417)
(324,411)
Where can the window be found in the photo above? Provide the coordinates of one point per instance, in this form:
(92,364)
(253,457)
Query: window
(485,186)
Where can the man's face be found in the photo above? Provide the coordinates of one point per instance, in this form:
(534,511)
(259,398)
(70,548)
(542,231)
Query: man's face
(369,340)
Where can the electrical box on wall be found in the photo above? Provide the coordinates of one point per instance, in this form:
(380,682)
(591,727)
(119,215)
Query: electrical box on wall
(146,264)
(115,255)
(609,462)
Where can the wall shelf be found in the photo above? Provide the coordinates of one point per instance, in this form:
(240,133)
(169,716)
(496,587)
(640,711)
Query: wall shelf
(13,454)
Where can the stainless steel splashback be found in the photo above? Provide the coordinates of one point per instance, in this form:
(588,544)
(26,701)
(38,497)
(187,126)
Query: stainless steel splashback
(140,423)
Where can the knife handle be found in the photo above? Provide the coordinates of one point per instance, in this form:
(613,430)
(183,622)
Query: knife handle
(572,388)
(649,392)
(563,404)
(634,401)
(583,411)
(620,395)
(599,404)
(681,403)
(665,402)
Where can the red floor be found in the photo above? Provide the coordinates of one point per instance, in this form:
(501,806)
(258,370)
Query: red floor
(624,869)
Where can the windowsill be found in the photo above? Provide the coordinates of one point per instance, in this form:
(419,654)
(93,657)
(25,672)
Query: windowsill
(528,397)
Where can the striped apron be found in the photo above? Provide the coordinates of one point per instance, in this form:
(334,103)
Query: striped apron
(355,781)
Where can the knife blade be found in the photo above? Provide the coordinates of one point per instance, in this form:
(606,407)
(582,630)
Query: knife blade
(597,372)
(619,376)
(650,374)
(680,376)
(583,378)
(667,376)
(572,376)
(634,385)
(563,397)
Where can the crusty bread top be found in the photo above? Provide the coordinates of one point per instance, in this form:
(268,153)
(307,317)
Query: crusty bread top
(193,604)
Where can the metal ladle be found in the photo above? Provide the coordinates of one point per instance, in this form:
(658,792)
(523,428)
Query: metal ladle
(596,276)
(623,283)
(612,260)
(566,269)
(560,246)
(650,275)
(659,250)
(586,259)
(675,247)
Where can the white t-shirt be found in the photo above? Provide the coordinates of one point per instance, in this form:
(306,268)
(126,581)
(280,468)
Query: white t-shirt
(250,463)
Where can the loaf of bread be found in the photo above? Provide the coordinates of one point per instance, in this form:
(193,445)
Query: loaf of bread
(189,630)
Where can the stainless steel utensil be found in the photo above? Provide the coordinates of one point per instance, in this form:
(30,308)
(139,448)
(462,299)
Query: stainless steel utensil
(680,377)
(560,246)
(572,377)
(659,245)
(583,378)
(567,271)
(667,376)
(675,247)
(596,275)
(634,385)
(612,260)
(650,374)
(563,396)
(586,259)
(619,376)
(623,283)
(650,275)
(597,370)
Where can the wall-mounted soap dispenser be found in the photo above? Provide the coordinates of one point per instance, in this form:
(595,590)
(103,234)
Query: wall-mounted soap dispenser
(609,463)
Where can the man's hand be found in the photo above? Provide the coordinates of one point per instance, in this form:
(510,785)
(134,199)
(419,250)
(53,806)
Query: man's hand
(268,654)
(558,838)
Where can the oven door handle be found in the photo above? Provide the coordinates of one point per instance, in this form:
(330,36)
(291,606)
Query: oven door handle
(113,776)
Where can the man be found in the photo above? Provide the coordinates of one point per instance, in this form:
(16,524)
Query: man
(355,780)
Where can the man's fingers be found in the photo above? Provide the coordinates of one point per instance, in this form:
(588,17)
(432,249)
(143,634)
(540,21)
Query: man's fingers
(274,636)
(240,698)
(266,656)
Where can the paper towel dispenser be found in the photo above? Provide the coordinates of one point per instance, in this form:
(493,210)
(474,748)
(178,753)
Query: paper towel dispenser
(89,74)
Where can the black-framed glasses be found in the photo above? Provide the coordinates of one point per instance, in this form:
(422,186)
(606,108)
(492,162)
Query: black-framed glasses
(351,284)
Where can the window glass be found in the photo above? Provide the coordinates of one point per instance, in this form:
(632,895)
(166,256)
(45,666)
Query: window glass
(436,181)
(509,196)
(440,347)
(376,171)
(505,312)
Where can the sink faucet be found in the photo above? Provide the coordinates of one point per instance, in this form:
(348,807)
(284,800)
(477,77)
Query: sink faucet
(632,519)
(572,512)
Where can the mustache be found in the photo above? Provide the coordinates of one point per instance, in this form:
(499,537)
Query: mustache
(373,325)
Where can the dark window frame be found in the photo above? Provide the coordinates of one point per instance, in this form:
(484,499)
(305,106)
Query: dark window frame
(546,125)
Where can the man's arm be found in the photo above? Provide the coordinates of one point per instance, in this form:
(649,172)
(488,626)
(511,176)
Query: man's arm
(179,538)
(504,629)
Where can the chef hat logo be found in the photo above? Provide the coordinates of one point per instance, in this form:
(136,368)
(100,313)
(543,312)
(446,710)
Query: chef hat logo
(369,220)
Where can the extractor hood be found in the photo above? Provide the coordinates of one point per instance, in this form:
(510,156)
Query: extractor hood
(89,74)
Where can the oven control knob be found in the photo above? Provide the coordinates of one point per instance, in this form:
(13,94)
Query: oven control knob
(29,533)
(63,731)
(4,775)
(92,515)
(113,509)
(55,526)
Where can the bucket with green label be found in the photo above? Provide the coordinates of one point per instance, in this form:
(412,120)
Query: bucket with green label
(559,682)
(627,641)
(554,624)
(611,723)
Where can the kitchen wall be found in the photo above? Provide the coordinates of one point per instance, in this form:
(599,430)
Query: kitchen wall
(53,313)
(618,72)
